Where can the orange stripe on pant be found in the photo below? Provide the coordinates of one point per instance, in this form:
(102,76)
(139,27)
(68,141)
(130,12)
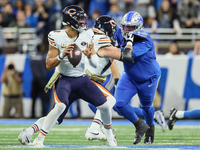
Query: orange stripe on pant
(56,100)
(103,89)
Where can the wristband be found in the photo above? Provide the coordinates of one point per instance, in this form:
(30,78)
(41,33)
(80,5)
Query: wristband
(60,57)
(116,81)
(129,43)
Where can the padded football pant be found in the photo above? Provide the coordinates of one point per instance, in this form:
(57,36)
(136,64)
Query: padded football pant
(69,89)
(126,89)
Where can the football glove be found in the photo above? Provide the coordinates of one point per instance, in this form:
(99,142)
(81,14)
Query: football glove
(129,37)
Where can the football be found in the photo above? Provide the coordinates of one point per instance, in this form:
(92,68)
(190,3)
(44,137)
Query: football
(74,56)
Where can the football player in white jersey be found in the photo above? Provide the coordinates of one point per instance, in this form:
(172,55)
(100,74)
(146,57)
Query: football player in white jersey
(102,39)
(72,82)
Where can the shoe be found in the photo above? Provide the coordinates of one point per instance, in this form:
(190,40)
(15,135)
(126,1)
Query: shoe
(172,118)
(25,137)
(141,129)
(38,142)
(160,119)
(114,132)
(95,134)
(110,137)
(149,136)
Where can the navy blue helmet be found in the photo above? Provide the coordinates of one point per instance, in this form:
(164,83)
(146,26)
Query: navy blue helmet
(75,17)
(107,25)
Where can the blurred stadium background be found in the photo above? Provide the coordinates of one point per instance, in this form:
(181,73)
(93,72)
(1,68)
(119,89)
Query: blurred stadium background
(24,24)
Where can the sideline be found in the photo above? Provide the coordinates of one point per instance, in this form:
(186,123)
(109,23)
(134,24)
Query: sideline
(89,121)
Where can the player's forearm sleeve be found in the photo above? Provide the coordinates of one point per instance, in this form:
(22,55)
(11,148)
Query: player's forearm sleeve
(94,60)
(126,55)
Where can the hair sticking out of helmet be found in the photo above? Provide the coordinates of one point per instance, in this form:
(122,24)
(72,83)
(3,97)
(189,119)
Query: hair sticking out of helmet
(106,25)
(75,17)
(131,22)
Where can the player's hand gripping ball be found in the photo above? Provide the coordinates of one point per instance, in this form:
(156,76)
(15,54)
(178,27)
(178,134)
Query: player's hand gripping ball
(75,56)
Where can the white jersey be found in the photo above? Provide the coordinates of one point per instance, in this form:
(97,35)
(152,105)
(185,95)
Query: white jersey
(60,40)
(104,62)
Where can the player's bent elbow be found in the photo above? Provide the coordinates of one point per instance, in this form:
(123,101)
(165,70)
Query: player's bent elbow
(48,67)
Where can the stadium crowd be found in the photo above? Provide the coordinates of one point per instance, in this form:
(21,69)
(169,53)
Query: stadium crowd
(44,15)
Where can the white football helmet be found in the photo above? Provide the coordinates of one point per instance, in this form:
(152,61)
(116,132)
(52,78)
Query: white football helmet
(131,22)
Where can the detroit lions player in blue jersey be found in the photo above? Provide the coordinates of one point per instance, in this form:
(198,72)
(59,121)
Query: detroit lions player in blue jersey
(140,76)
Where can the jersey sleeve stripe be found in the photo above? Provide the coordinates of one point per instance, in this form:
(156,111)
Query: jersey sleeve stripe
(51,38)
(51,41)
(95,30)
(107,40)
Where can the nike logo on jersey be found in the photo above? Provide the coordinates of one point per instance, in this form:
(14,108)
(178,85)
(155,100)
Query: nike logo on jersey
(94,133)
(150,85)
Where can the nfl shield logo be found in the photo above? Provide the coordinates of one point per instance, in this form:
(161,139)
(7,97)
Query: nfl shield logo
(77,52)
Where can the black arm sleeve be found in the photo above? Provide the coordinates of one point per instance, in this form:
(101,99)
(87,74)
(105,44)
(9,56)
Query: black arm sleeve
(126,55)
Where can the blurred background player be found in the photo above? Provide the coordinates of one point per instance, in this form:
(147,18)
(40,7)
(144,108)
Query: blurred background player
(176,115)
(38,68)
(72,82)
(140,76)
(12,91)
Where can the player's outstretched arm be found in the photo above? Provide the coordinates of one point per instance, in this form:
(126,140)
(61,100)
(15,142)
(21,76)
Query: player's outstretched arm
(109,51)
(116,53)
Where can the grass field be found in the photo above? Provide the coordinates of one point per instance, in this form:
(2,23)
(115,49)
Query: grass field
(72,137)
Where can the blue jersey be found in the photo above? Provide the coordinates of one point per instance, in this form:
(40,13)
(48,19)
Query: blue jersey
(144,65)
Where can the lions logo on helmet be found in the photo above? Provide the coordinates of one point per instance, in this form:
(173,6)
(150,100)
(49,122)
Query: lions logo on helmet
(131,22)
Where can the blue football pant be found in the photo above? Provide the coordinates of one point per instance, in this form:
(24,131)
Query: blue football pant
(126,89)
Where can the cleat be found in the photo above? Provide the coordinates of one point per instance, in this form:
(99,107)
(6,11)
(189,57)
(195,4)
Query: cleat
(25,138)
(159,118)
(172,118)
(149,136)
(114,132)
(95,134)
(110,137)
(141,129)
(38,142)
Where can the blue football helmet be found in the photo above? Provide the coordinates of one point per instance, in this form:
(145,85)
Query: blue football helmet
(75,17)
(131,22)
